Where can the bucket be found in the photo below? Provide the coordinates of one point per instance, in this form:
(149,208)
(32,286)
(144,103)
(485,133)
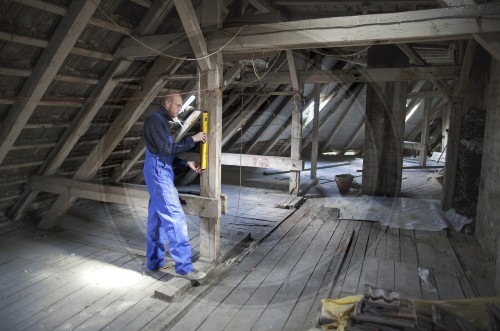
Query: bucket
(344,182)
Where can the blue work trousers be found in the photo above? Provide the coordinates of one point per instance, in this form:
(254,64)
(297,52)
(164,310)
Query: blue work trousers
(166,218)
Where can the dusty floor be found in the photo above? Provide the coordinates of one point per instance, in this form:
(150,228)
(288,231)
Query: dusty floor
(88,274)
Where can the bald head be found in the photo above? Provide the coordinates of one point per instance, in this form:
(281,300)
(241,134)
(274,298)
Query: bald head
(173,104)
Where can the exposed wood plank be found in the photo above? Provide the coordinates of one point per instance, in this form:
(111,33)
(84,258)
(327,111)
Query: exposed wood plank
(47,66)
(363,75)
(406,280)
(125,194)
(386,276)
(356,264)
(261,161)
(295,143)
(63,78)
(415,57)
(281,306)
(240,284)
(349,107)
(6,36)
(315,132)
(368,274)
(292,70)
(319,285)
(211,89)
(61,10)
(422,25)
(240,121)
(393,251)
(424,140)
(424,94)
(192,29)
(408,248)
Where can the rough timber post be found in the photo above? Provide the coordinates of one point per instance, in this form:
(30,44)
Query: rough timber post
(385,119)
(296,137)
(211,101)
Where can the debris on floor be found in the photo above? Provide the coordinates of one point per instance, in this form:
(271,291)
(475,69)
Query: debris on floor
(380,309)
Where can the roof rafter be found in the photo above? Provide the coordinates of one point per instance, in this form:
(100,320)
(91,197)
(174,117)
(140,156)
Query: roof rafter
(58,48)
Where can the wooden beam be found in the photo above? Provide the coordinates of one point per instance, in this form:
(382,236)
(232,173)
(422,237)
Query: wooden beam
(349,96)
(192,29)
(64,78)
(424,139)
(132,195)
(336,129)
(47,66)
(254,161)
(6,36)
(490,42)
(240,121)
(315,132)
(362,75)
(413,145)
(211,89)
(62,10)
(416,58)
(296,143)
(424,94)
(251,144)
(454,128)
(389,28)
(456,3)
(292,70)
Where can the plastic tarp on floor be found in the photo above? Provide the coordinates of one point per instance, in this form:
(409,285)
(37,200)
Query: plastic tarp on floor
(402,213)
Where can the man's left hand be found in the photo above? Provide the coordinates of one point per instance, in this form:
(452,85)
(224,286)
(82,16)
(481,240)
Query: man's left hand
(194,166)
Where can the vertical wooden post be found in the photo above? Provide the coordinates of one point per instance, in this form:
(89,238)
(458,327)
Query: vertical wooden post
(424,139)
(385,120)
(315,132)
(457,110)
(296,145)
(211,101)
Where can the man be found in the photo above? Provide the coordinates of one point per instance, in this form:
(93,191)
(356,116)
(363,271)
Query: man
(166,219)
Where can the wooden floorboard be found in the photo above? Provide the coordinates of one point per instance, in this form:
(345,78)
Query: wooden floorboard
(319,283)
(53,280)
(248,273)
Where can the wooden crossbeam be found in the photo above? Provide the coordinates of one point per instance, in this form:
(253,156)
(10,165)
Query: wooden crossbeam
(255,161)
(359,75)
(389,28)
(132,195)
(47,66)
(415,57)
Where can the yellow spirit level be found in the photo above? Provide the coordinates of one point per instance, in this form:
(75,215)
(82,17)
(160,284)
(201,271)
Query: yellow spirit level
(204,145)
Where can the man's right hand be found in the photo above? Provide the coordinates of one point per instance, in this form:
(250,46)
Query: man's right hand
(200,136)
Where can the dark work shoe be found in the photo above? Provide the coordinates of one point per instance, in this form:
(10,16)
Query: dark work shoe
(194,275)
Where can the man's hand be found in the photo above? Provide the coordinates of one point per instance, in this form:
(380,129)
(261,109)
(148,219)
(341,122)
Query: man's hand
(200,136)
(194,166)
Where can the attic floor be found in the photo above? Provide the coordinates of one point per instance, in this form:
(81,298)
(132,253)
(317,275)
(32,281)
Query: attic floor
(88,273)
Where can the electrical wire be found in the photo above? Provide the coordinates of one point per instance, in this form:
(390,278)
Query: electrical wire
(164,54)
